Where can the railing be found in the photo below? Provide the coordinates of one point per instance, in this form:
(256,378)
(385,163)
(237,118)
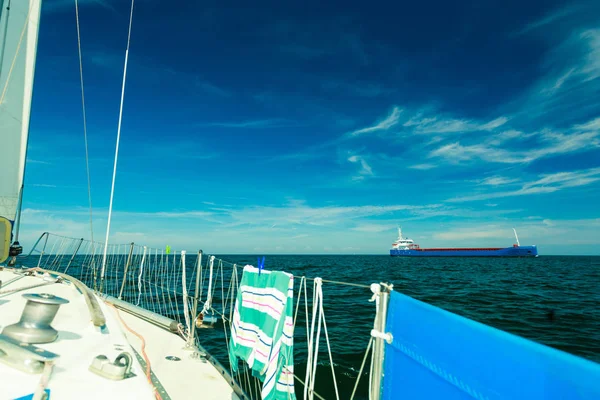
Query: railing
(199,291)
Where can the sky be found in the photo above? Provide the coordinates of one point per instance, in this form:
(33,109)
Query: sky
(319,127)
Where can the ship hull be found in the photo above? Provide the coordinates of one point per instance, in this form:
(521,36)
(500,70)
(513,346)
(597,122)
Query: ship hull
(515,251)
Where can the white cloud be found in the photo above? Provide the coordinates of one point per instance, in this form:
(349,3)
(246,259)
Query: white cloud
(549,19)
(559,82)
(551,236)
(459,235)
(591,66)
(372,228)
(498,180)
(32,161)
(569,88)
(260,123)
(455,152)
(423,124)
(385,124)
(549,144)
(365,168)
(183,214)
(546,183)
(490,126)
(593,125)
(422,167)
(264,228)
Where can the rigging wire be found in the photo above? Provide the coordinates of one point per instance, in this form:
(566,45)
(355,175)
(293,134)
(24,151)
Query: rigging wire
(112,190)
(87,162)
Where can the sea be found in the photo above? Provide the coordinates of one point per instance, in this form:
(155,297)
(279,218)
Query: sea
(553,300)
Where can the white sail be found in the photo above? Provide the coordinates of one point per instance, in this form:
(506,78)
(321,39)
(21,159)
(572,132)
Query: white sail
(18,43)
(19,23)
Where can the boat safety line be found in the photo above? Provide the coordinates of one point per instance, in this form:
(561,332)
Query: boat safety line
(361,368)
(317,395)
(312,279)
(336,282)
(13,280)
(313,343)
(142,348)
(40,391)
(8,291)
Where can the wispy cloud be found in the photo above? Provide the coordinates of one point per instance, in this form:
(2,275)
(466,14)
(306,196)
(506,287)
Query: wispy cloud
(301,214)
(384,124)
(498,181)
(310,227)
(187,149)
(550,235)
(549,19)
(426,124)
(365,169)
(371,227)
(106,60)
(546,183)
(357,88)
(473,233)
(211,88)
(153,70)
(559,82)
(32,161)
(422,167)
(568,87)
(260,123)
(582,137)
(181,214)
(591,67)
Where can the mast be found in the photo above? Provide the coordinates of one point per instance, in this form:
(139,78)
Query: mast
(19,25)
(516,237)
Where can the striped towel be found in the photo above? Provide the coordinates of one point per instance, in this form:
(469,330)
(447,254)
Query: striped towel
(262,330)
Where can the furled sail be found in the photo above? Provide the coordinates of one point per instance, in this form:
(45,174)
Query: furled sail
(19,22)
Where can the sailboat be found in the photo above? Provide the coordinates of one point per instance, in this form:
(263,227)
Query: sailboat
(58,338)
(129,330)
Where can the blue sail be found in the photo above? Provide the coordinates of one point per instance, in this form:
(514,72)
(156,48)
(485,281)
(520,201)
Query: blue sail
(436,354)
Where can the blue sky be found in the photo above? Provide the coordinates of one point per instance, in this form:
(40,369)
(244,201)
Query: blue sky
(318,128)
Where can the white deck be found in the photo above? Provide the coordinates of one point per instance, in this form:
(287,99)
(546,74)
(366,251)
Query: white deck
(79,342)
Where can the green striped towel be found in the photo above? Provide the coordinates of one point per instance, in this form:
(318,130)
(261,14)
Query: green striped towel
(262,332)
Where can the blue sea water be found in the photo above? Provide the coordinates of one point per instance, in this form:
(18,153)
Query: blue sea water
(552,300)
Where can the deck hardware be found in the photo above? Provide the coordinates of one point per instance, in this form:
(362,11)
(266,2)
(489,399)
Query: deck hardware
(23,356)
(173,358)
(205,320)
(118,370)
(38,314)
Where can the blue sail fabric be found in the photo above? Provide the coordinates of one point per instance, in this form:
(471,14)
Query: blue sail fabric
(436,354)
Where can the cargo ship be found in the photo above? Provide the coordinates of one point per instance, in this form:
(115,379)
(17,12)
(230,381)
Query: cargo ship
(405,247)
